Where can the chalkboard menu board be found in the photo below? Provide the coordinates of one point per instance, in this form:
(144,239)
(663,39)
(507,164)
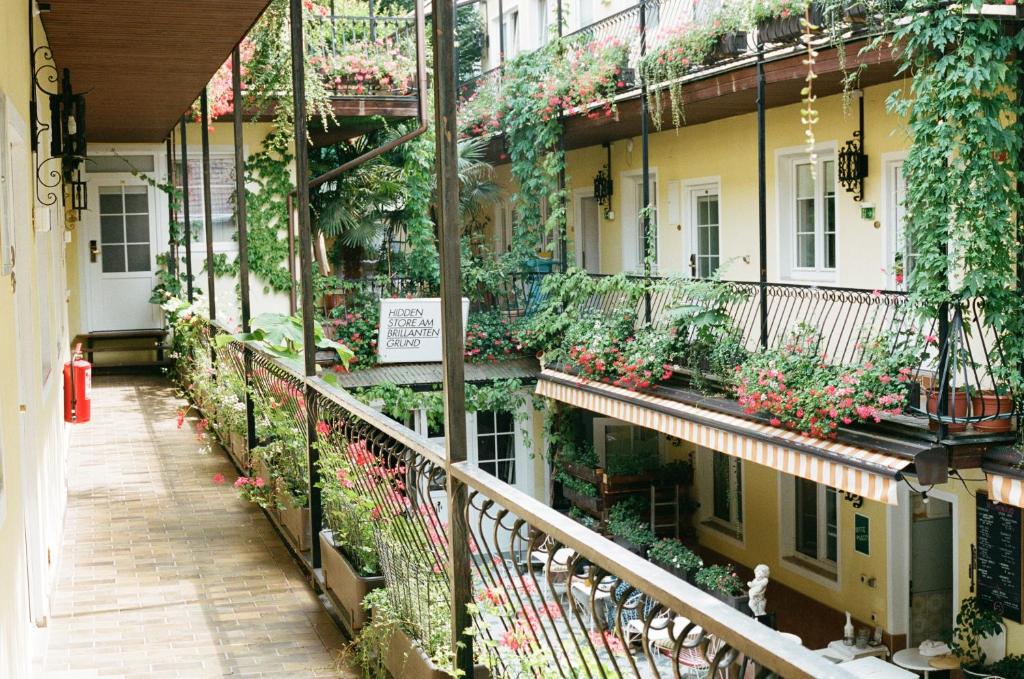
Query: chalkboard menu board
(999,557)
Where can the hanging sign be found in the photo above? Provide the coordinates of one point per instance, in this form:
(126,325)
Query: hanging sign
(410,329)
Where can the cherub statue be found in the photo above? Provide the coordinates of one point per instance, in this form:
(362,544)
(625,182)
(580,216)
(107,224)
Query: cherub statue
(758,589)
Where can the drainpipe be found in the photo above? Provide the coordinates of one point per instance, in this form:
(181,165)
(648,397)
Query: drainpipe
(243,240)
(452,337)
(187,235)
(762,198)
(207,204)
(646,162)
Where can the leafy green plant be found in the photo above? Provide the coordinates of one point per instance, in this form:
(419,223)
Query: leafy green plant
(973,623)
(575,485)
(721,579)
(348,510)
(282,336)
(624,522)
(674,554)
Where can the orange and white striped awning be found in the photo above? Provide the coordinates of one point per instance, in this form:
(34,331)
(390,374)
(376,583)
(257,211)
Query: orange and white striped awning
(860,471)
(1005,490)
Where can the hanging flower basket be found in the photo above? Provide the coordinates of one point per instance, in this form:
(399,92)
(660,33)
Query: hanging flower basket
(627,80)
(727,46)
(790,28)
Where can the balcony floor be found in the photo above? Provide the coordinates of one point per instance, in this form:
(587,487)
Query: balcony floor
(162,572)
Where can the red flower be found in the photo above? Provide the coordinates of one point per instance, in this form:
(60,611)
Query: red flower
(218,479)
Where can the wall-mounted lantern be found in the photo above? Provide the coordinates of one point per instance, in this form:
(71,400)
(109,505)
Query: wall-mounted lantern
(604,187)
(59,172)
(853,162)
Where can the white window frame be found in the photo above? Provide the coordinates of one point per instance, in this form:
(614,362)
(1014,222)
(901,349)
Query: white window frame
(195,155)
(519,460)
(786,162)
(504,223)
(512,38)
(543,18)
(579,237)
(601,425)
(691,190)
(820,568)
(632,232)
(6,192)
(734,529)
(890,209)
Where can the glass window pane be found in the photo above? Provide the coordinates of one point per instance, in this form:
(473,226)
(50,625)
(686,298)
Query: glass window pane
(113,258)
(506,444)
(829,171)
(137,228)
(485,422)
(831,527)
(807,518)
(713,209)
(505,421)
(805,216)
(136,200)
(138,257)
(507,471)
(110,200)
(805,250)
(485,449)
(720,472)
(111,229)
(830,251)
(804,181)
(713,240)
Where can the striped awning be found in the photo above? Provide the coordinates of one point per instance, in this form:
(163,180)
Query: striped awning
(860,471)
(1006,490)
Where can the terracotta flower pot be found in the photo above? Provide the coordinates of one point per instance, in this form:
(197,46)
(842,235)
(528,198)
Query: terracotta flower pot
(956,405)
(989,403)
(344,584)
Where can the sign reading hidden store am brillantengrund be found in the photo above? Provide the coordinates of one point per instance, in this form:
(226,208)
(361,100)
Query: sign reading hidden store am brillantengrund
(410,329)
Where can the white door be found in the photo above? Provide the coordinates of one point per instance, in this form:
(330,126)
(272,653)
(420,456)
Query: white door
(703,221)
(901,254)
(589,220)
(633,222)
(120,254)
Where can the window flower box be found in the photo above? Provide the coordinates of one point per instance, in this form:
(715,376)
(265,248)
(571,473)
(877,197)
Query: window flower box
(727,46)
(405,659)
(789,28)
(238,449)
(344,584)
(296,524)
(591,505)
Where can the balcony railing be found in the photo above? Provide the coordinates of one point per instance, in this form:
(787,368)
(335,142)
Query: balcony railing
(961,354)
(549,597)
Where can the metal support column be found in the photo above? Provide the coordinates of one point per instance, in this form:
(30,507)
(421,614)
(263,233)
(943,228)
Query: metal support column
(243,241)
(762,200)
(305,263)
(646,171)
(207,204)
(563,226)
(446,132)
(172,214)
(187,227)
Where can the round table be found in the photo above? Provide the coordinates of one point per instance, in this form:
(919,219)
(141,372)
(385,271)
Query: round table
(792,637)
(911,659)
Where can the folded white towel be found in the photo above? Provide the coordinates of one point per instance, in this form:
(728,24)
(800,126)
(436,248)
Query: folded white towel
(930,649)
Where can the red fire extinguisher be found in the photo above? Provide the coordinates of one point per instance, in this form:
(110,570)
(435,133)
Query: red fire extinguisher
(77,388)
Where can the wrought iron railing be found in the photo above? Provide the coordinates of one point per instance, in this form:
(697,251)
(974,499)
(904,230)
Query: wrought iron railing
(550,598)
(961,357)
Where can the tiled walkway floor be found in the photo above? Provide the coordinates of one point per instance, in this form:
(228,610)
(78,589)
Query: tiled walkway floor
(163,573)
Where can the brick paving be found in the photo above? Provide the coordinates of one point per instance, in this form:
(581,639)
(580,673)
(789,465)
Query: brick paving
(163,573)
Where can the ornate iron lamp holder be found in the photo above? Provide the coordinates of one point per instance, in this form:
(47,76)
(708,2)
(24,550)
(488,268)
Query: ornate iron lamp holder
(853,162)
(58,173)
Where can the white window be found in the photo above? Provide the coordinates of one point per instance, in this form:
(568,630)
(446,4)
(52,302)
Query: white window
(510,32)
(504,222)
(44,273)
(810,518)
(496,444)
(222,198)
(6,194)
(904,255)
(808,215)
(585,13)
(704,225)
(720,488)
(616,442)
(543,22)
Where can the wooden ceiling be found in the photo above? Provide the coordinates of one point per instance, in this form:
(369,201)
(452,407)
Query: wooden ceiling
(143,62)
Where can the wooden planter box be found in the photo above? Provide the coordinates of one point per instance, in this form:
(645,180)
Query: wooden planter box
(739,602)
(346,586)
(591,505)
(789,29)
(680,573)
(238,450)
(295,522)
(636,549)
(405,660)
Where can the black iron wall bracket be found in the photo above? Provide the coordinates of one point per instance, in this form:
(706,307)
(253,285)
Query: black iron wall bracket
(58,172)
(853,162)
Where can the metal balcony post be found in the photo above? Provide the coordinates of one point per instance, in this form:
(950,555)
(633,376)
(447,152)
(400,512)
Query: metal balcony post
(172,214)
(646,164)
(762,199)
(501,33)
(563,227)
(207,205)
(459,573)
(187,233)
(305,264)
(243,240)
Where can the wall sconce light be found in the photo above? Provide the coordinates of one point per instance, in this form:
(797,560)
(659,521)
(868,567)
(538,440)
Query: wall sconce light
(60,169)
(604,187)
(853,162)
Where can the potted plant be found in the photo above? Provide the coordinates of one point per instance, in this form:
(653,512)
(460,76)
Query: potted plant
(351,565)
(979,638)
(781,21)
(989,403)
(674,557)
(628,529)
(722,583)
(957,403)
